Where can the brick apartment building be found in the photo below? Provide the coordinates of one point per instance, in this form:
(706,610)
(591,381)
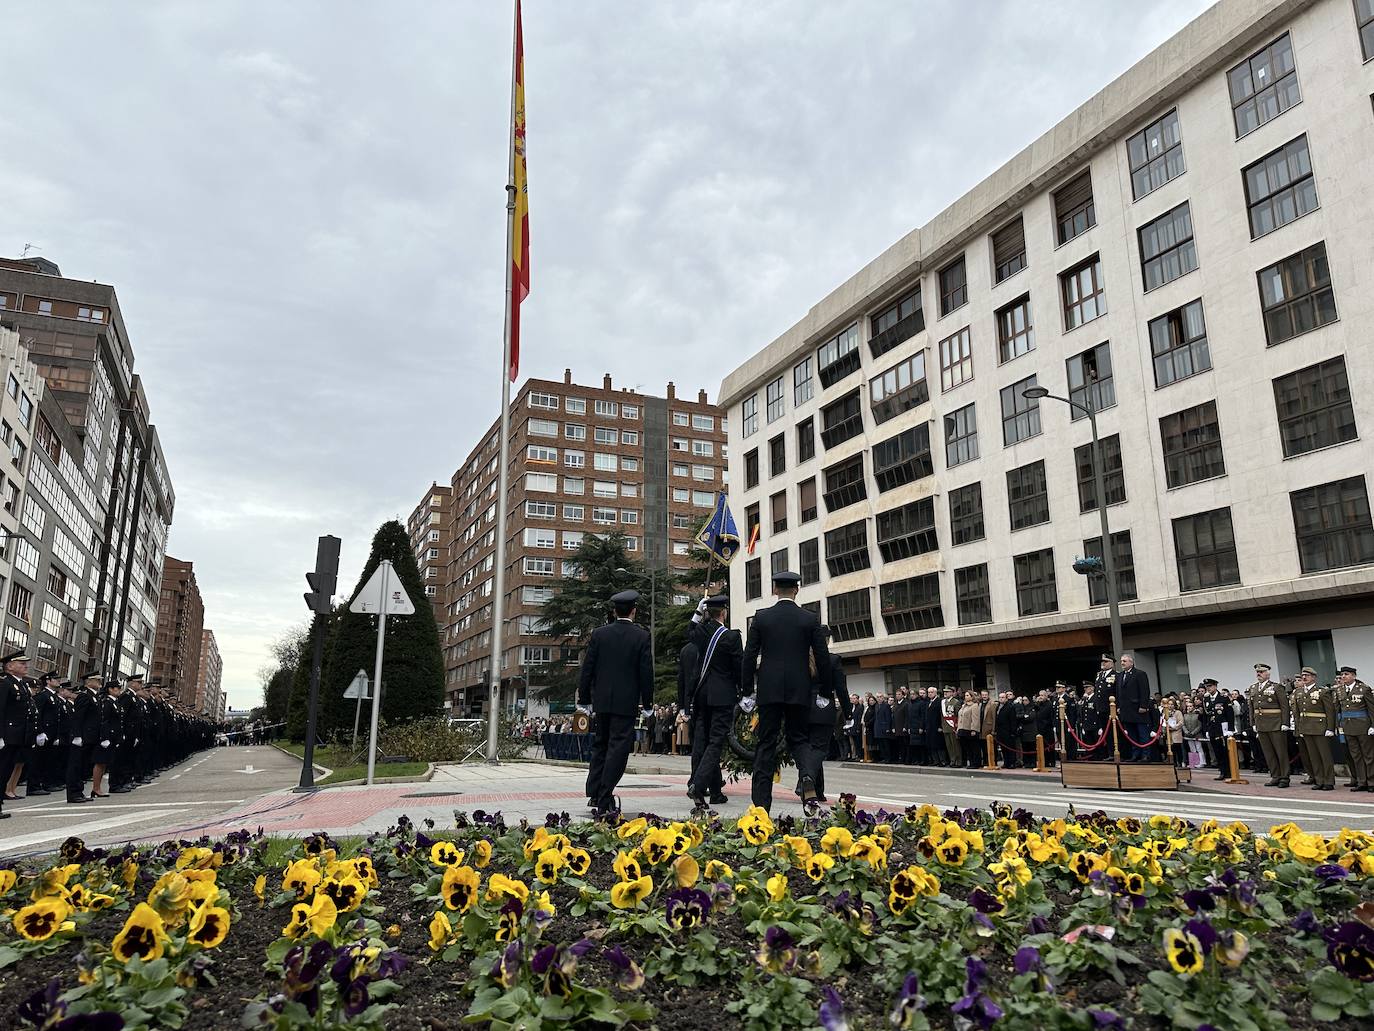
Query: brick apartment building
(209,686)
(430,529)
(180,627)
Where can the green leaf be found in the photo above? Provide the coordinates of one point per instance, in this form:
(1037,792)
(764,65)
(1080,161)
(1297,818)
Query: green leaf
(8,956)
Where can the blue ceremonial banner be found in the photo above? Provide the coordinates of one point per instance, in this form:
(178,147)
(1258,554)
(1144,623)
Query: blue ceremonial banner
(719,535)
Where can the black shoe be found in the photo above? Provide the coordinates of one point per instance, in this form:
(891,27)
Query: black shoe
(35,792)
(1357,787)
(123,789)
(807,790)
(1220,776)
(718,798)
(75,801)
(1282,784)
(4,815)
(1271,783)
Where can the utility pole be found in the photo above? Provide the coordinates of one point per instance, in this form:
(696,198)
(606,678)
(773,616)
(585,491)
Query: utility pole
(318,600)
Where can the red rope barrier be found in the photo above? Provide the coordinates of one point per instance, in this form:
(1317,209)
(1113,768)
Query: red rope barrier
(1139,744)
(1074,734)
(1012,748)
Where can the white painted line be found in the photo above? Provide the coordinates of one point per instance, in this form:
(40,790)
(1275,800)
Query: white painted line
(175,776)
(1128,808)
(1296,807)
(79,829)
(101,806)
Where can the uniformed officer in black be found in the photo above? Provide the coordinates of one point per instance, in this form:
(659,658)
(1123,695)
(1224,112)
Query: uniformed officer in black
(47,737)
(131,727)
(1218,723)
(713,697)
(64,772)
(16,721)
(783,640)
(109,736)
(84,736)
(830,708)
(617,682)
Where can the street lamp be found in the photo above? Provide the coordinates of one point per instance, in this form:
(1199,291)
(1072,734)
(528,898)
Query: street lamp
(1100,495)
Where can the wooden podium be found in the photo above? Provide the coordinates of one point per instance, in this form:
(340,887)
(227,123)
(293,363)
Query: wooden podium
(1114,775)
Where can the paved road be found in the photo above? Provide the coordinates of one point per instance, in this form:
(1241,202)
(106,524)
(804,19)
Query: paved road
(204,786)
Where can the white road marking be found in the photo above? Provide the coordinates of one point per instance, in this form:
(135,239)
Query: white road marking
(1145,807)
(79,829)
(101,806)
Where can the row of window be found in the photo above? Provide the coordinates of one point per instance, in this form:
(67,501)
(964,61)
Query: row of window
(1331,523)
(578,406)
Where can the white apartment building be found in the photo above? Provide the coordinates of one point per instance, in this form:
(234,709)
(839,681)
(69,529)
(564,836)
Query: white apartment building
(1191,253)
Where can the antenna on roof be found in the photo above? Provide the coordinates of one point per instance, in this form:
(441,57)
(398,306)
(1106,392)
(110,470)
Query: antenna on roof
(30,247)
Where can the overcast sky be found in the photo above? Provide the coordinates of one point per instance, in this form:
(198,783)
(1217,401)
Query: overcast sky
(301,206)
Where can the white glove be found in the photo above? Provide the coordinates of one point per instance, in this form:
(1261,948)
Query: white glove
(1330,733)
(2,742)
(586,710)
(1370,731)
(76,741)
(1228,733)
(41,740)
(747,704)
(701,607)
(135,742)
(105,743)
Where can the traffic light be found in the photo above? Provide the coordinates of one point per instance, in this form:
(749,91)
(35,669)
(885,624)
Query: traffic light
(324,579)
(1090,566)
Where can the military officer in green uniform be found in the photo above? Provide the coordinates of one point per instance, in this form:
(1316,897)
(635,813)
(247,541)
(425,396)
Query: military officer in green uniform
(1353,701)
(1269,714)
(1314,719)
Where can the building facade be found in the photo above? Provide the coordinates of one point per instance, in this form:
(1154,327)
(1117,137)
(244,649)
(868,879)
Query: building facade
(430,528)
(1188,256)
(210,698)
(180,628)
(584,460)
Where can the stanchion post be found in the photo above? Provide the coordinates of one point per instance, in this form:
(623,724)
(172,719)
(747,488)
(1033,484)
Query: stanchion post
(1116,743)
(1234,761)
(867,759)
(992,753)
(1040,766)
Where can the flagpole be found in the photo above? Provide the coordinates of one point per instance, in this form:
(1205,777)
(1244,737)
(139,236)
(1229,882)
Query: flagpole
(498,602)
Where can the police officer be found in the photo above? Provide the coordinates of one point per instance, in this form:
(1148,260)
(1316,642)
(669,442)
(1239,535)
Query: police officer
(713,697)
(617,682)
(1093,713)
(47,736)
(1314,718)
(783,640)
(1104,684)
(12,715)
(1269,715)
(26,731)
(1218,723)
(85,730)
(109,736)
(830,708)
(1356,706)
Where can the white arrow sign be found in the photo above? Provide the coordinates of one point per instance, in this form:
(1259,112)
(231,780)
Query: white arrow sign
(359,687)
(383,594)
(248,769)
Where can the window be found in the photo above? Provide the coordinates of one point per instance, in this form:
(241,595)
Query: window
(573,485)
(900,389)
(802,384)
(542,428)
(704,423)
(1364,19)
(703,499)
(777,562)
(681,547)
(539,453)
(1123,558)
(538,566)
(1314,407)
(1280,188)
(777,456)
(911,605)
(841,420)
(1008,250)
(846,548)
(953,286)
(851,615)
(549,401)
(540,510)
(1167,250)
(703,448)
(1178,343)
(629,436)
(966,513)
(629,516)
(629,490)
(1192,445)
(806,441)
(537,537)
(1205,547)
(973,595)
(21,600)
(956,359)
(605,408)
(704,473)
(12,386)
(1090,380)
(1084,293)
(1113,478)
(629,411)
(1074,213)
(603,435)
(1036,594)
(845,484)
(572,431)
(1015,335)
(749,410)
(775,403)
(575,405)
(778,504)
(604,516)
(1028,496)
(1155,155)
(630,465)
(837,358)
(681,469)
(806,499)
(907,531)
(604,489)
(753,579)
(1020,414)
(605,463)
(681,419)
(1296,295)
(1264,86)
(899,321)
(535,595)
(809,557)
(961,436)
(574,513)
(1333,527)
(541,481)
(903,458)
(681,522)
(751,469)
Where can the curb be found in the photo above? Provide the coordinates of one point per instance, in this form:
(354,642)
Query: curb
(362,781)
(323,771)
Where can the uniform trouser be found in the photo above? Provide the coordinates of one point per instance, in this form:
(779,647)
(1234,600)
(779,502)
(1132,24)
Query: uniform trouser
(36,767)
(612,736)
(1219,753)
(77,761)
(952,750)
(57,765)
(818,746)
(1274,744)
(1359,748)
(710,728)
(1318,750)
(773,718)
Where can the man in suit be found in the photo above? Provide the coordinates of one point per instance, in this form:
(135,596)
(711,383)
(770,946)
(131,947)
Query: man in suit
(712,698)
(936,754)
(782,641)
(1133,706)
(618,683)
(831,703)
(916,726)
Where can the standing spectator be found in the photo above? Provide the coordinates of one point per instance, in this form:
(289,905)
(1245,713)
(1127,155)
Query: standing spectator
(916,727)
(988,727)
(1133,706)
(682,739)
(949,725)
(935,729)
(870,720)
(900,749)
(882,728)
(1006,731)
(1173,733)
(1045,725)
(1192,733)
(968,723)
(1025,728)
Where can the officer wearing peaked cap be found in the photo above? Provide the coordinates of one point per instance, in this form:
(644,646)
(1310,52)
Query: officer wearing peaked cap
(617,682)
(13,716)
(712,695)
(1314,718)
(784,640)
(1355,703)
(1270,717)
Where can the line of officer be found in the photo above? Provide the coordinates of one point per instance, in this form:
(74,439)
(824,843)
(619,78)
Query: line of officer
(710,700)
(617,682)
(1269,714)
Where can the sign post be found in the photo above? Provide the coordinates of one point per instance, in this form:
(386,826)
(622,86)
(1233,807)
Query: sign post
(358,689)
(385,596)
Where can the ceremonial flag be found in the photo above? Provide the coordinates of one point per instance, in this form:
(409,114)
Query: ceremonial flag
(719,535)
(520,218)
(754,537)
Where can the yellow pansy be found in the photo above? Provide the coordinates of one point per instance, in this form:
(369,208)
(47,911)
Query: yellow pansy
(143,935)
(445,854)
(799,848)
(626,866)
(548,864)
(756,825)
(500,886)
(632,828)
(440,930)
(817,866)
(777,887)
(1183,951)
(719,870)
(837,841)
(481,853)
(209,926)
(42,918)
(629,894)
(869,851)
(657,846)
(686,872)
(301,877)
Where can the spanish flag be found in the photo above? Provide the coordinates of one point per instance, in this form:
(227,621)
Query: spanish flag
(520,217)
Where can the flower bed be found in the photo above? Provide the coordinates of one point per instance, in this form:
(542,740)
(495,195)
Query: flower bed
(970,918)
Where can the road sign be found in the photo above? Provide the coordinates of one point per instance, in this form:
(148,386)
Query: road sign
(383,594)
(360,687)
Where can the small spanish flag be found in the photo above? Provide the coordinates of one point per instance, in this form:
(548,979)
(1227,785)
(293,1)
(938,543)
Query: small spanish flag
(754,537)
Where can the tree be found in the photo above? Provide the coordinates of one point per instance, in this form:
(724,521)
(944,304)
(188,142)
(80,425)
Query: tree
(413,666)
(298,706)
(289,652)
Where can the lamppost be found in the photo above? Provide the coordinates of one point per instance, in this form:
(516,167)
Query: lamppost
(1100,495)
